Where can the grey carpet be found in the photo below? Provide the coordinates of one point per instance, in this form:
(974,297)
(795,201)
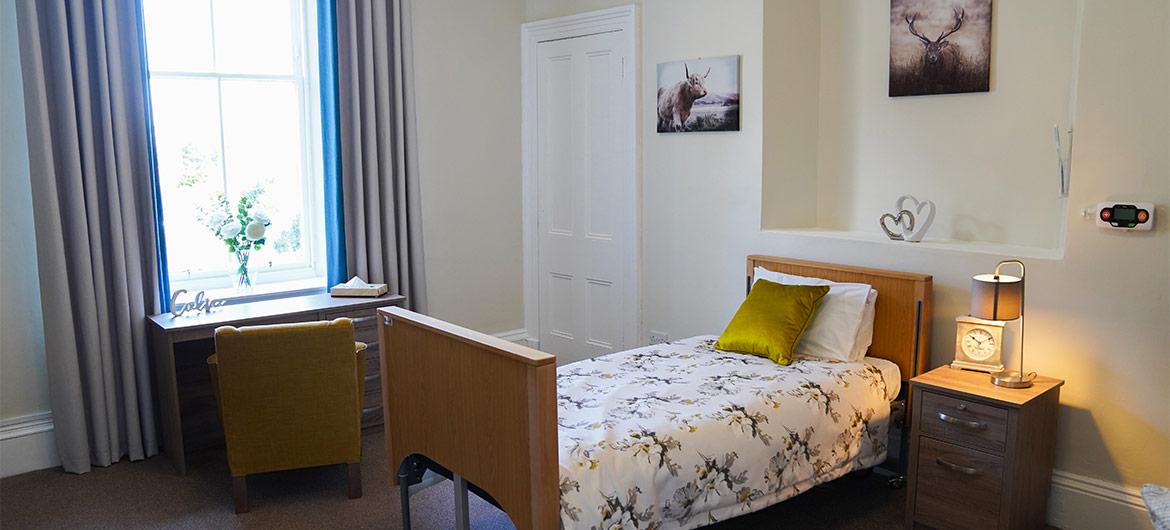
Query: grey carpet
(150,495)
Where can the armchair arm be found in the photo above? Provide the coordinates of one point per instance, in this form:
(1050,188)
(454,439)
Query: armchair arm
(358,347)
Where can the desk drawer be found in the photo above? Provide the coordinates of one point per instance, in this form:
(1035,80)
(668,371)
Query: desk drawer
(372,397)
(957,487)
(963,422)
(372,416)
(373,366)
(365,329)
(365,323)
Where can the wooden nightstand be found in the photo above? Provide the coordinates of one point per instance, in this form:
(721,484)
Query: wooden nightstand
(980,455)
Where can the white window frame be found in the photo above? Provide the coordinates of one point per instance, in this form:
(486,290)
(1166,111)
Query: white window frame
(290,278)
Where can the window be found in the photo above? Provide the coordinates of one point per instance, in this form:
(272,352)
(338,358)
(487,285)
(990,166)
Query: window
(236,113)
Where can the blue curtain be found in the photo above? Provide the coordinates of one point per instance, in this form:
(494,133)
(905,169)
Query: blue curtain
(331,143)
(164,277)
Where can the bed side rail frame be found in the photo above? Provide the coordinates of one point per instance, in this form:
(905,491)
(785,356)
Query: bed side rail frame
(479,406)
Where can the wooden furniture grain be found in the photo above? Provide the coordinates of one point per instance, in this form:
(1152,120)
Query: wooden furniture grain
(981,455)
(180,346)
(485,409)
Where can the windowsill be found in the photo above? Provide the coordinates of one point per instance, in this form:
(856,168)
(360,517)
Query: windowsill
(977,247)
(264,291)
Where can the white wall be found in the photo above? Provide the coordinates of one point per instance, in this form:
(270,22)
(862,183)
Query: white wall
(838,151)
(987,159)
(467,85)
(23,387)
(24,394)
(1100,326)
(792,72)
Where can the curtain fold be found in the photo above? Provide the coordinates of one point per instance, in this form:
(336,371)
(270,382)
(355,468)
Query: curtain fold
(379,167)
(93,195)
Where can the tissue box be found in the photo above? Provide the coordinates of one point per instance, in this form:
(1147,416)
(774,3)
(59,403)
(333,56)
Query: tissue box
(372,290)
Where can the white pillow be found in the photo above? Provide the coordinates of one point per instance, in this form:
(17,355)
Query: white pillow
(865,332)
(841,330)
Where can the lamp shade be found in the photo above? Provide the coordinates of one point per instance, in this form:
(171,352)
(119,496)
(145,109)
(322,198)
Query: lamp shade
(997,297)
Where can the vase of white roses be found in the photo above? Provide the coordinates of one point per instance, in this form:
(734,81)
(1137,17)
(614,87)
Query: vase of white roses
(241,228)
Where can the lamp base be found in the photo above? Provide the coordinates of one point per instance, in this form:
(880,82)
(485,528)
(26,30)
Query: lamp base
(1013,379)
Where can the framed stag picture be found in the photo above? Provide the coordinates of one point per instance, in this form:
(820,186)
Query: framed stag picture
(699,95)
(939,47)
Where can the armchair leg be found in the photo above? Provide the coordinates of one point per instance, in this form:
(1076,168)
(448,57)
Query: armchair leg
(240,493)
(355,480)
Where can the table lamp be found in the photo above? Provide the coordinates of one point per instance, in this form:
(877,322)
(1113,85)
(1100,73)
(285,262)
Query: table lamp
(1001,297)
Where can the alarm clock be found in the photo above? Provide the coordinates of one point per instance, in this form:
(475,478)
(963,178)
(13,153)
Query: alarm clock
(1126,216)
(978,344)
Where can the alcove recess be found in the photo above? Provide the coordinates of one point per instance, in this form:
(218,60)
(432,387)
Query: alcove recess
(838,151)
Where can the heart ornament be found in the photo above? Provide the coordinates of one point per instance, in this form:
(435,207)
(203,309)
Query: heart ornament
(923,213)
(903,223)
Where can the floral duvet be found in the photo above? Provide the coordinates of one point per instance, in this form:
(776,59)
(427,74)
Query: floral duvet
(681,435)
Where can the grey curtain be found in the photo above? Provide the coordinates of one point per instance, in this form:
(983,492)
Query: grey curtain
(89,153)
(379,168)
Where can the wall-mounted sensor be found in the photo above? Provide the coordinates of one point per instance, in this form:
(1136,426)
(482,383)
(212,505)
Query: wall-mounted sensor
(1126,216)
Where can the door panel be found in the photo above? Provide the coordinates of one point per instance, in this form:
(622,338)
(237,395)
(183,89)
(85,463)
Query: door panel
(583,191)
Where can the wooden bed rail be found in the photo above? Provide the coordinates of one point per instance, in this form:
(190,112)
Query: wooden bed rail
(477,405)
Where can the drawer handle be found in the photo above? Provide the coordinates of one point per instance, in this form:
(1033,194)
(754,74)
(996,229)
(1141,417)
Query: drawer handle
(962,423)
(956,467)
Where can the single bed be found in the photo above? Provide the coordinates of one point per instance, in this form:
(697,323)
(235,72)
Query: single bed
(677,435)
(680,435)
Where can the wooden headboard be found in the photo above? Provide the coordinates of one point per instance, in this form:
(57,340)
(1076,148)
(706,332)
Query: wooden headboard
(901,324)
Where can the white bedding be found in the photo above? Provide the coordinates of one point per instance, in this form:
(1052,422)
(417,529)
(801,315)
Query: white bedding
(681,435)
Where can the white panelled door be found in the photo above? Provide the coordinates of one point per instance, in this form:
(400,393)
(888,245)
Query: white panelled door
(586,197)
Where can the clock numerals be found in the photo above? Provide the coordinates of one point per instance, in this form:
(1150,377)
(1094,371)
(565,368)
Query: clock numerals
(979,344)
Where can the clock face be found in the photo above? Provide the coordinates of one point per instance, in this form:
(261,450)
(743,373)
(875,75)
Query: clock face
(978,344)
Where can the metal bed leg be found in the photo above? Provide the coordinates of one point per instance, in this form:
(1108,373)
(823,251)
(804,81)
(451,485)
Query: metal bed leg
(462,513)
(404,495)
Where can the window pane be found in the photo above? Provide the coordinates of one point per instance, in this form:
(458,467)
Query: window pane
(254,36)
(262,140)
(190,176)
(178,35)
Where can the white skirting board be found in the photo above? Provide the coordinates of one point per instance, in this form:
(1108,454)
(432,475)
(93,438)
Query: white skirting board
(1078,502)
(26,444)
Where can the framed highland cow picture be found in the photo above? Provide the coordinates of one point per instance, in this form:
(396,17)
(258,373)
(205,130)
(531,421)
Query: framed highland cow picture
(939,47)
(699,95)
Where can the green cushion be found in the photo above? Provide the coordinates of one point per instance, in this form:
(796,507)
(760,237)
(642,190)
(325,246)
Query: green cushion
(772,319)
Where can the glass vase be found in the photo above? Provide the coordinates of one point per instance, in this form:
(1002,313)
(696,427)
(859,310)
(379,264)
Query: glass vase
(242,278)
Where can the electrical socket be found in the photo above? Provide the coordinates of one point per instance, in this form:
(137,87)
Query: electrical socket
(658,337)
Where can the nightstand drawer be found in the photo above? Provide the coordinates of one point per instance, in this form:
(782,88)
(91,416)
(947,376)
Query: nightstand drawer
(963,422)
(957,487)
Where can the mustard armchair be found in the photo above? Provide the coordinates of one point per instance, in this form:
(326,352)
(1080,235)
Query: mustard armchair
(290,397)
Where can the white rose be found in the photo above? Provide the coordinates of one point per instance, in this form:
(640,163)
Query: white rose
(217,219)
(229,230)
(254,231)
(262,217)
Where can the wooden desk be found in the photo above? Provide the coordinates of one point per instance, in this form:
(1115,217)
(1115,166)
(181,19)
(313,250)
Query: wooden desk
(181,345)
